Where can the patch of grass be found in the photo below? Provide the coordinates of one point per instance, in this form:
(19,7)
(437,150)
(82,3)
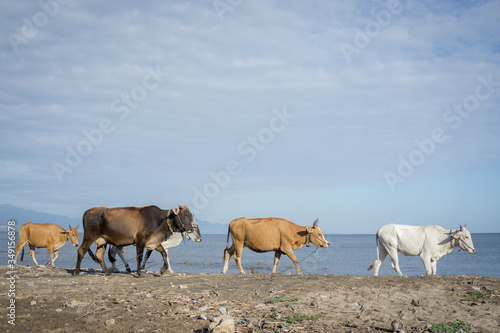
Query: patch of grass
(475,295)
(283,298)
(298,317)
(452,327)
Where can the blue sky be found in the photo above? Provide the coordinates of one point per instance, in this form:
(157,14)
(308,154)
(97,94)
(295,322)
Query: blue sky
(358,113)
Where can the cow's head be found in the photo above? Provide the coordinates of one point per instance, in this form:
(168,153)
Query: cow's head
(464,239)
(315,235)
(71,235)
(185,219)
(195,234)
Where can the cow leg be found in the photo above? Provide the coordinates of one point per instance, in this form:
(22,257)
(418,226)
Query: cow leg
(277,256)
(56,252)
(228,253)
(170,270)
(140,249)
(120,254)
(81,252)
(427,263)
(32,254)
(395,261)
(51,254)
(164,254)
(292,256)
(238,249)
(112,257)
(381,257)
(146,258)
(99,253)
(19,247)
(434,266)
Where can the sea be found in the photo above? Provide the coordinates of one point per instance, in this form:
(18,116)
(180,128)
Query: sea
(347,255)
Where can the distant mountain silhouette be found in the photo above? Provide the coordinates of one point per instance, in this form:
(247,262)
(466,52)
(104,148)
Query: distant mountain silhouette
(22,216)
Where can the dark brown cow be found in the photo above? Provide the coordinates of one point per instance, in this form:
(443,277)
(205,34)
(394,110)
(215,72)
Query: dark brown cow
(270,234)
(49,235)
(144,227)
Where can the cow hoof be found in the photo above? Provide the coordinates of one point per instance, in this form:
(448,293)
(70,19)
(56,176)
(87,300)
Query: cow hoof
(107,273)
(129,270)
(141,276)
(163,270)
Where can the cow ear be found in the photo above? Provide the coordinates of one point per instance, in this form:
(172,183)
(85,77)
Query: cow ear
(176,210)
(309,229)
(315,224)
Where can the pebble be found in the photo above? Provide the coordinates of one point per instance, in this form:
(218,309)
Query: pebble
(203,317)
(222,309)
(58,310)
(476,288)
(33,302)
(203,308)
(148,295)
(183,286)
(110,322)
(31,284)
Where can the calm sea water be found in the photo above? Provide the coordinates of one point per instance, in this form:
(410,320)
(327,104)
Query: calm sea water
(347,255)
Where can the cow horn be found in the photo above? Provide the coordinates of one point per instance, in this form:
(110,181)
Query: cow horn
(315,224)
(176,210)
(461,228)
(70,226)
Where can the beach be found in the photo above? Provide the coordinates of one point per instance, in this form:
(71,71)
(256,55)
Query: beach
(53,300)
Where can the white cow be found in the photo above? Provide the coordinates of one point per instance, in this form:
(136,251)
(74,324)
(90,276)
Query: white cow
(430,242)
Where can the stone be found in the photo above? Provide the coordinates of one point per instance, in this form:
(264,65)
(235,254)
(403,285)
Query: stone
(110,322)
(222,324)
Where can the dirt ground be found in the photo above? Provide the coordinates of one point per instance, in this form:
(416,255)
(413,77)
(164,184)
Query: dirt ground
(53,300)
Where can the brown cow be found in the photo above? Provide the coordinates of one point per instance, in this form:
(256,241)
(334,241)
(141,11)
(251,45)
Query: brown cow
(143,227)
(49,235)
(270,234)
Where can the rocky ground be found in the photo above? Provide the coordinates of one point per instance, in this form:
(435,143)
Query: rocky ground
(53,300)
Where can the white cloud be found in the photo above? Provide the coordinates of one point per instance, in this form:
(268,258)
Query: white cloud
(353,119)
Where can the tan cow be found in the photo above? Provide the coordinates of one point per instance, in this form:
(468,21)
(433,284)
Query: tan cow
(49,235)
(270,234)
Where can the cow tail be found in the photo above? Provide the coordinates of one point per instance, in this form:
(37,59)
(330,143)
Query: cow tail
(22,254)
(378,252)
(91,254)
(227,243)
(227,239)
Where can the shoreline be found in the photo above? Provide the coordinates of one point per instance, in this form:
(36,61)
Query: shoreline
(53,300)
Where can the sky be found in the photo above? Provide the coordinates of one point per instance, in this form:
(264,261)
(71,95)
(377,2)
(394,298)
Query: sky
(357,113)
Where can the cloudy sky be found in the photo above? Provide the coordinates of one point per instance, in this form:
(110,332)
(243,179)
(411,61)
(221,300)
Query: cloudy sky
(359,113)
